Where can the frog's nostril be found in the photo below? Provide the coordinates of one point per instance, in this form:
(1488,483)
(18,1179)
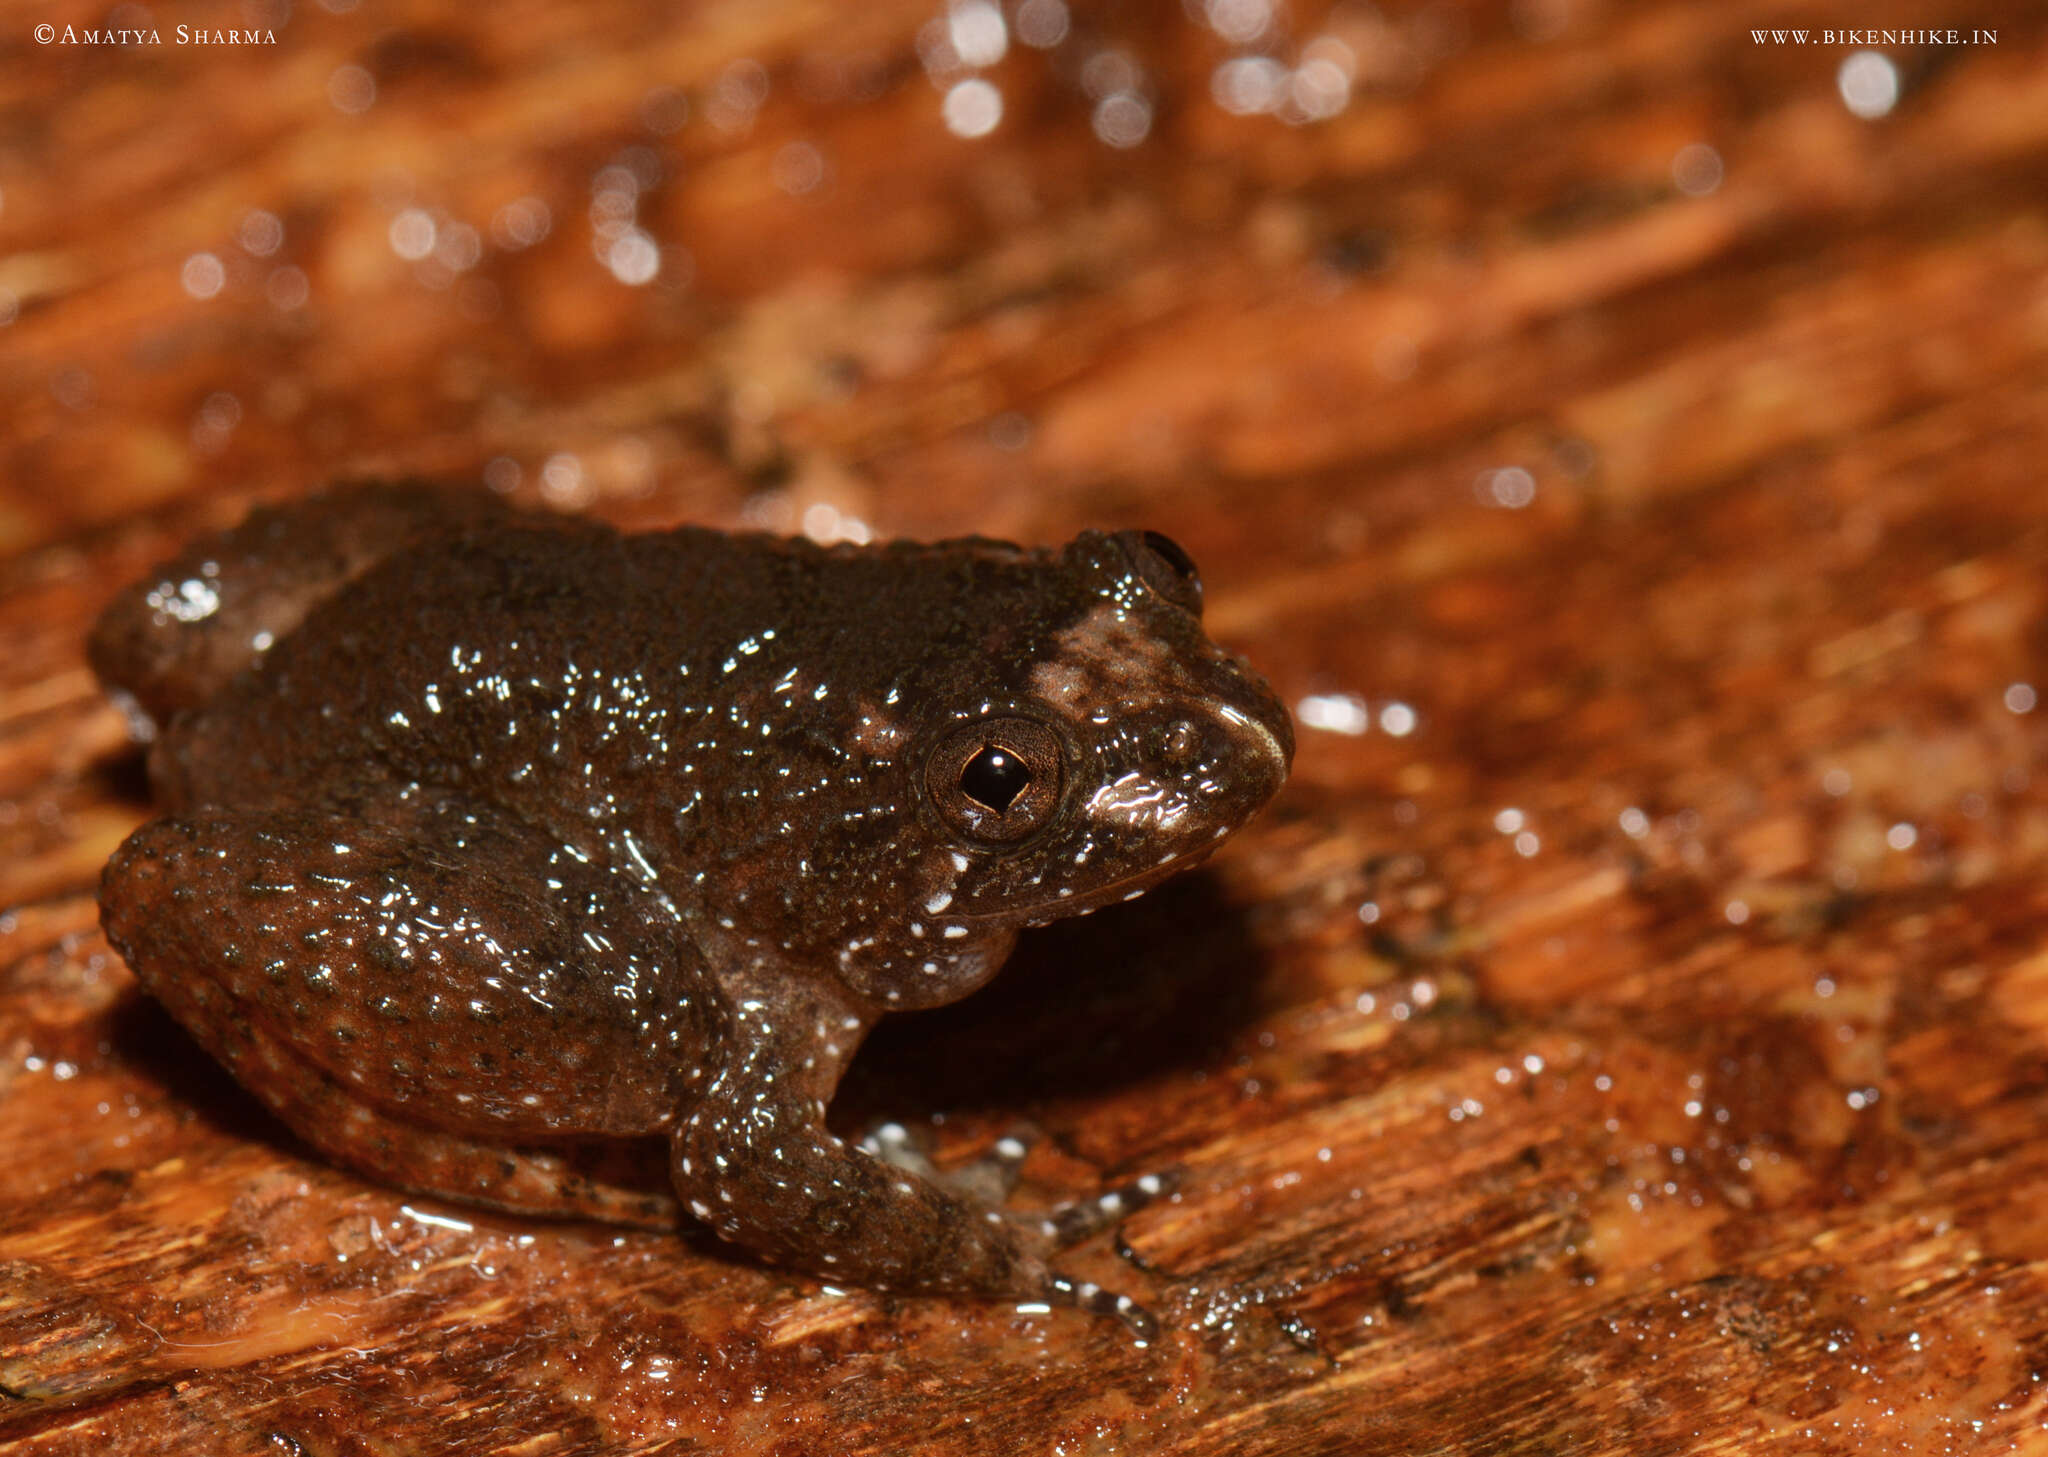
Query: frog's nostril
(1180,744)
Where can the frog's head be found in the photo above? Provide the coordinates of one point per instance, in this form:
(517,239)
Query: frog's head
(1093,741)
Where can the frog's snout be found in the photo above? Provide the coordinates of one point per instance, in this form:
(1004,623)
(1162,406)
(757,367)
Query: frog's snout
(1268,740)
(1239,744)
(1248,727)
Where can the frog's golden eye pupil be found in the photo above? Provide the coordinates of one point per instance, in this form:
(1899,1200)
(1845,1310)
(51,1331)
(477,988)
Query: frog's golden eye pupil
(994,778)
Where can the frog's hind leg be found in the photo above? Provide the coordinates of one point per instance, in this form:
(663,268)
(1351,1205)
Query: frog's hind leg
(423,989)
(174,639)
(549,1183)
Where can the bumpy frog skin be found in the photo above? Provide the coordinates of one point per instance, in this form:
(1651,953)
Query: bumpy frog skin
(485,833)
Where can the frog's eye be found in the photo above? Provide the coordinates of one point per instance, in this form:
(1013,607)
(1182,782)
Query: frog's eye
(1166,568)
(996,780)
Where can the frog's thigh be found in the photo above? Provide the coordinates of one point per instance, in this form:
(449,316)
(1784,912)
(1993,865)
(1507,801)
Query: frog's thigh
(354,1134)
(439,964)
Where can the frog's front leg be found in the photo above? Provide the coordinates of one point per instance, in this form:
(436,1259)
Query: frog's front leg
(755,1161)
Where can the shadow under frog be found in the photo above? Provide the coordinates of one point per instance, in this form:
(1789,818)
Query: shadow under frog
(486,834)
(1083,1007)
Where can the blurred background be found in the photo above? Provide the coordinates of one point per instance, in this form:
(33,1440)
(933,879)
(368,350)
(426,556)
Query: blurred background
(925,267)
(1617,428)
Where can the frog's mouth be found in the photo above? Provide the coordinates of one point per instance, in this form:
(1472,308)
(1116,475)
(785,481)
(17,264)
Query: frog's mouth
(1081,903)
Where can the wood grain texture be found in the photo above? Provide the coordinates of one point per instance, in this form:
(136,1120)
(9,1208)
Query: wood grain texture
(1647,1053)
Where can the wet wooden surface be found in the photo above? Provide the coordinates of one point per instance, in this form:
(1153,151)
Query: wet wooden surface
(1627,1032)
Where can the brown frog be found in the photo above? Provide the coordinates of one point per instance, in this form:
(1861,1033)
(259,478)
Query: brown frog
(486,832)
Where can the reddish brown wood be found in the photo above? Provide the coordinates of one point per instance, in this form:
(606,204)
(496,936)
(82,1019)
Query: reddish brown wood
(1646,1054)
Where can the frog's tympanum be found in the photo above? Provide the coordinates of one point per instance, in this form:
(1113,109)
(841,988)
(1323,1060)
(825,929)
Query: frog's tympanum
(484,833)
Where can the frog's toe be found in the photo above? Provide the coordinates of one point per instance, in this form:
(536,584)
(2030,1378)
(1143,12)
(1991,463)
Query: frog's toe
(986,1180)
(990,1180)
(1069,1224)
(895,1146)
(1087,1295)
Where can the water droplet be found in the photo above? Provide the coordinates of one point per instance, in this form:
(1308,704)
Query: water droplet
(203,276)
(563,482)
(799,168)
(261,233)
(412,234)
(1042,24)
(1238,21)
(521,223)
(351,90)
(287,288)
(1510,487)
(1696,170)
(1123,119)
(1869,84)
(1337,713)
(459,247)
(972,108)
(1248,85)
(977,32)
(633,258)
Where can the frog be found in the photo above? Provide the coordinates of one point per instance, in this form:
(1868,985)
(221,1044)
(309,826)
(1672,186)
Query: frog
(487,833)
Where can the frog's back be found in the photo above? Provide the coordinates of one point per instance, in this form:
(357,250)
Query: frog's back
(383,655)
(521,653)
(175,639)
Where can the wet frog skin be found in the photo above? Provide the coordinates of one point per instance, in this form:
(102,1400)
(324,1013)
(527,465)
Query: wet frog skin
(485,833)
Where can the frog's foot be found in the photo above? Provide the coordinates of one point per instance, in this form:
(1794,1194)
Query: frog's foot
(990,1180)
(1088,1296)
(890,1221)
(1071,1223)
(900,1222)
